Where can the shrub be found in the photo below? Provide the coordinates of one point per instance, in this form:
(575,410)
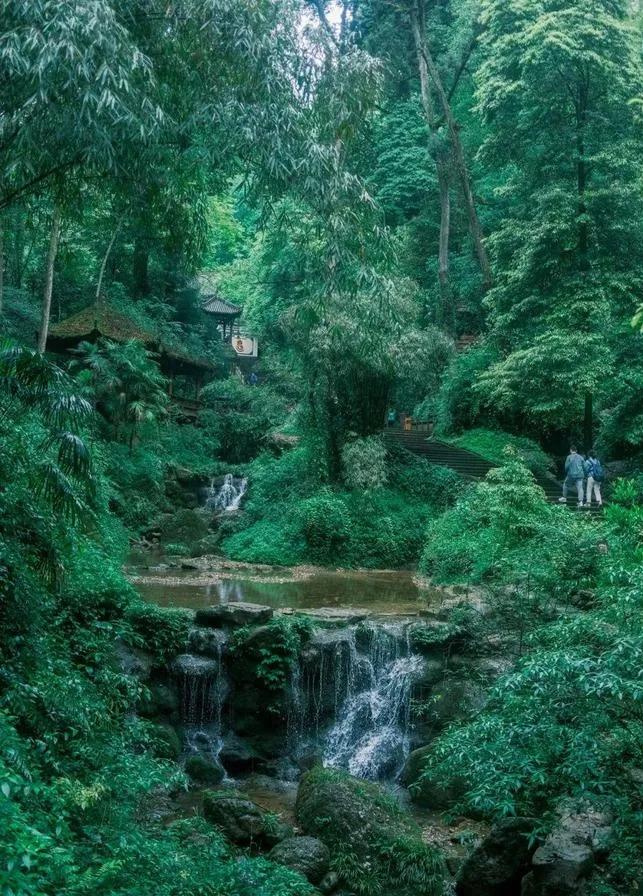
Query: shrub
(504,533)
(160,630)
(279,542)
(364,464)
(326,525)
(491,444)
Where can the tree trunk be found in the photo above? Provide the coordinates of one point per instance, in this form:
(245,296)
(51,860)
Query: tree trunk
(588,422)
(581,174)
(442,171)
(458,150)
(108,252)
(140,267)
(54,239)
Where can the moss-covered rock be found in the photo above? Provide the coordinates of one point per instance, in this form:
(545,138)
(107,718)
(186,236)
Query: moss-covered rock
(306,855)
(204,769)
(427,792)
(184,527)
(374,845)
(242,821)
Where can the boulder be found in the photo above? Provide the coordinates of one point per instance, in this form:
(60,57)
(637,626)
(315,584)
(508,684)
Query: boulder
(195,666)
(204,769)
(233,615)
(160,700)
(133,661)
(335,616)
(329,883)
(168,742)
(237,755)
(306,855)
(207,642)
(429,793)
(498,865)
(451,700)
(183,527)
(561,866)
(242,821)
(381,845)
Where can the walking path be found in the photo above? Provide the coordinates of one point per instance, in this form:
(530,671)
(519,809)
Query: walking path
(467,463)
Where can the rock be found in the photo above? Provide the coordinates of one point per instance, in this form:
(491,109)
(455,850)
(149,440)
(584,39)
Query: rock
(133,661)
(306,855)
(429,793)
(451,700)
(160,700)
(183,527)
(195,666)
(236,755)
(233,615)
(336,616)
(329,883)
(206,642)
(560,866)
(566,859)
(169,742)
(203,769)
(353,815)
(434,637)
(498,865)
(242,821)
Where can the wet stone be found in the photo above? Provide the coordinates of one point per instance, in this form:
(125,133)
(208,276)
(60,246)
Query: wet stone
(195,666)
(233,615)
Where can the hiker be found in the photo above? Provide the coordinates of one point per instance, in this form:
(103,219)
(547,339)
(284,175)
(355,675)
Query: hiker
(574,475)
(595,476)
(391,417)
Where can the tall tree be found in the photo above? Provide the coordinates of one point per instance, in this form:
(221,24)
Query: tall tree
(555,90)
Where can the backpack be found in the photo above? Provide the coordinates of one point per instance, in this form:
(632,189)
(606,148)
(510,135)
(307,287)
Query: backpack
(597,472)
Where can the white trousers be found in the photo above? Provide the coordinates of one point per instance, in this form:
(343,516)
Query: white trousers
(596,486)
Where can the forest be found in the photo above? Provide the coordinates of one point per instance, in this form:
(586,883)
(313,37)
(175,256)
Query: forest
(321,447)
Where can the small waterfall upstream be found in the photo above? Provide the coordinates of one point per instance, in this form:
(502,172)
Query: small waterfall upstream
(227,495)
(353,696)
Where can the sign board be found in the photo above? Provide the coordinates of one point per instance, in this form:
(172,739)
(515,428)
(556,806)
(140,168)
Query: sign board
(245,346)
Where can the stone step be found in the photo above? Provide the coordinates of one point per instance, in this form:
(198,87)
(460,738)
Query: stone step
(467,463)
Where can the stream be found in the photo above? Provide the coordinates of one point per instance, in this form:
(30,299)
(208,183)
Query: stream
(381,592)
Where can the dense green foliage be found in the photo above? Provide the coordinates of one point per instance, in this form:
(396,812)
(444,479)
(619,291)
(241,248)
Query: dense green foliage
(291,517)
(425,208)
(566,721)
(80,777)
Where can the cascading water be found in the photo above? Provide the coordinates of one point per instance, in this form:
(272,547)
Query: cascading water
(356,687)
(227,495)
(203,688)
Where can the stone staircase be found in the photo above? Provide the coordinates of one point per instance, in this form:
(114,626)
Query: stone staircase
(467,464)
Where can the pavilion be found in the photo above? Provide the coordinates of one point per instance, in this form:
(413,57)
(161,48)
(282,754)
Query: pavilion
(101,320)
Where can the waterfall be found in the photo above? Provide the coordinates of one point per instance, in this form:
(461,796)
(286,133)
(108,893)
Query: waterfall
(356,686)
(227,495)
(203,688)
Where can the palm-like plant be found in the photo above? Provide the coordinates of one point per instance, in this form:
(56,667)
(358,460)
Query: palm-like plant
(46,476)
(30,382)
(126,384)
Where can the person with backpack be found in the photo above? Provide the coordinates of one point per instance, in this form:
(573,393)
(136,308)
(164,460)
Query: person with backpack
(574,475)
(595,476)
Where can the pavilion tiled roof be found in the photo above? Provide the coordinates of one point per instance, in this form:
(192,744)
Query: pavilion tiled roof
(216,305)
(104,320)
(114,325)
